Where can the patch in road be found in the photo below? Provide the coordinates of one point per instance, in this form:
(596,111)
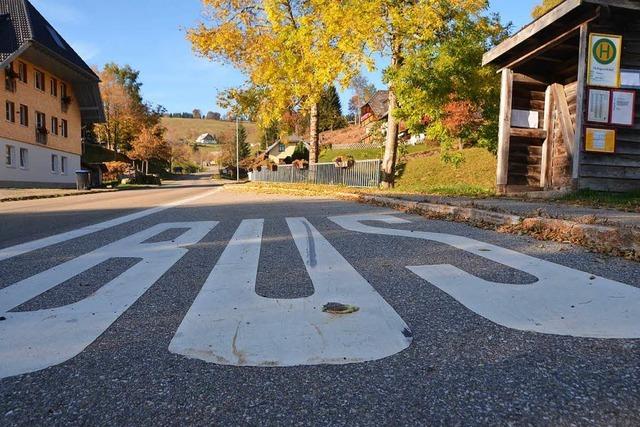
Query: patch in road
(564,301)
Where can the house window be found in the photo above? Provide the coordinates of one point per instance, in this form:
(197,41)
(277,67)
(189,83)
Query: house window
(24,115)
(63,165)
(39,80)
(22,72)
(54,125)
(10,111)
(64,97)
(10,78)
(54,87)
(64,128)
(54,163)
(282,148)
(41,128)
(41,120)
(10,156)
(24,158)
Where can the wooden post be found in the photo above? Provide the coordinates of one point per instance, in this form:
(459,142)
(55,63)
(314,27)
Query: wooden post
(314,153)
(547,146)
(504,132)
(564,117)
(580,97)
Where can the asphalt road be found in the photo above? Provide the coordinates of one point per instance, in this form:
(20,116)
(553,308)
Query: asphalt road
(458,366)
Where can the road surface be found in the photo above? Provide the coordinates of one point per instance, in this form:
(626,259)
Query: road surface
(198,304)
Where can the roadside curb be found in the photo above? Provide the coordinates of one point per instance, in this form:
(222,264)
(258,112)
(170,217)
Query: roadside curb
(53,196)
(456,212)
(620,241)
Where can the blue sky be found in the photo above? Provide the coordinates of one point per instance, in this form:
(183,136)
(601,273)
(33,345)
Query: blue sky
(149,35)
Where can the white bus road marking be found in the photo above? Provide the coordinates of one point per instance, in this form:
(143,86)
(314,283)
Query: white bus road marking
(230,324)
(564,301)
(24,248)
(35,340)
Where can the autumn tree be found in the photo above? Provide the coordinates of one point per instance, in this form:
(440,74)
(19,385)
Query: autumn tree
(197,114)
(121,116)
(150,145)
(179,152)
(441,82)
(397,29)
(545,7)
(289,50)
(126,113)
(128,78)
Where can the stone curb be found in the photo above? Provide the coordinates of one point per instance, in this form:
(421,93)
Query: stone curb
(604,238)
(52,196)
(457,212)
(610,238)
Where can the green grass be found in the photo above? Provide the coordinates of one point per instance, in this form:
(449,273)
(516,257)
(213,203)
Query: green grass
(475,177)
(190,129)
(625,201)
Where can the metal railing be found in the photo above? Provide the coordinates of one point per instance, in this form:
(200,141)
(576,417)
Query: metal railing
(365,173)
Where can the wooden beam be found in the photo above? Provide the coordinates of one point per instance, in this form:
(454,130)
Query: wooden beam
(544,47)
(580,97)
(546,175)
(530,30)
(528,133)
(624,4)
(523,78)
(504,132)
(564,116)
(549,59)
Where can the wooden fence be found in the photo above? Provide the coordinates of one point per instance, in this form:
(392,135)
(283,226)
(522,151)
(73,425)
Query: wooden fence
(364,173)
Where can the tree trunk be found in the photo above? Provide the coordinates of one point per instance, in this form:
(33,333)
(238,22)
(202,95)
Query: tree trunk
(314,153)
(391,145)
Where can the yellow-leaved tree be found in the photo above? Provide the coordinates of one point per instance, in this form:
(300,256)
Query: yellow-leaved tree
(398,28)
(290,50)
(545,7)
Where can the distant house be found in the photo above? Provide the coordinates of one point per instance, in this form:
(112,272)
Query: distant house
(206,139)
(279,151)
(375,109)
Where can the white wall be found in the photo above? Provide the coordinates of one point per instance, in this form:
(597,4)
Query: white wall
(38,170)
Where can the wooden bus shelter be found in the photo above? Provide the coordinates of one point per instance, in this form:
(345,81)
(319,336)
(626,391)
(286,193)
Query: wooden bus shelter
(568,103)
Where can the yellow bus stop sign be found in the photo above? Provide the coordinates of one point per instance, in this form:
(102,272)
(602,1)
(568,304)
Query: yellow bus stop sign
(604,60)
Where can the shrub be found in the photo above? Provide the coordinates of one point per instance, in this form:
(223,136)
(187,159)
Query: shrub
(117,170)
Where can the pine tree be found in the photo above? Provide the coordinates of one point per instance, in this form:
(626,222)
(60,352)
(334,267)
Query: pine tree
(244,146)
(330,111)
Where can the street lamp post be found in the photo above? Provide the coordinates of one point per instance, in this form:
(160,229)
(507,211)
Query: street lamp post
(237,148)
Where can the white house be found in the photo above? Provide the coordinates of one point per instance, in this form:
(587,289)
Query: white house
(206,139)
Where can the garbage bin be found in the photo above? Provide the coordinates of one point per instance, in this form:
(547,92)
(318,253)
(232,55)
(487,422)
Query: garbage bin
(82,179)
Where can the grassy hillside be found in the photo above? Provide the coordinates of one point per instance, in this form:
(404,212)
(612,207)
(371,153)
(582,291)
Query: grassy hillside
(425,173)
(190,129)
(475,177)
